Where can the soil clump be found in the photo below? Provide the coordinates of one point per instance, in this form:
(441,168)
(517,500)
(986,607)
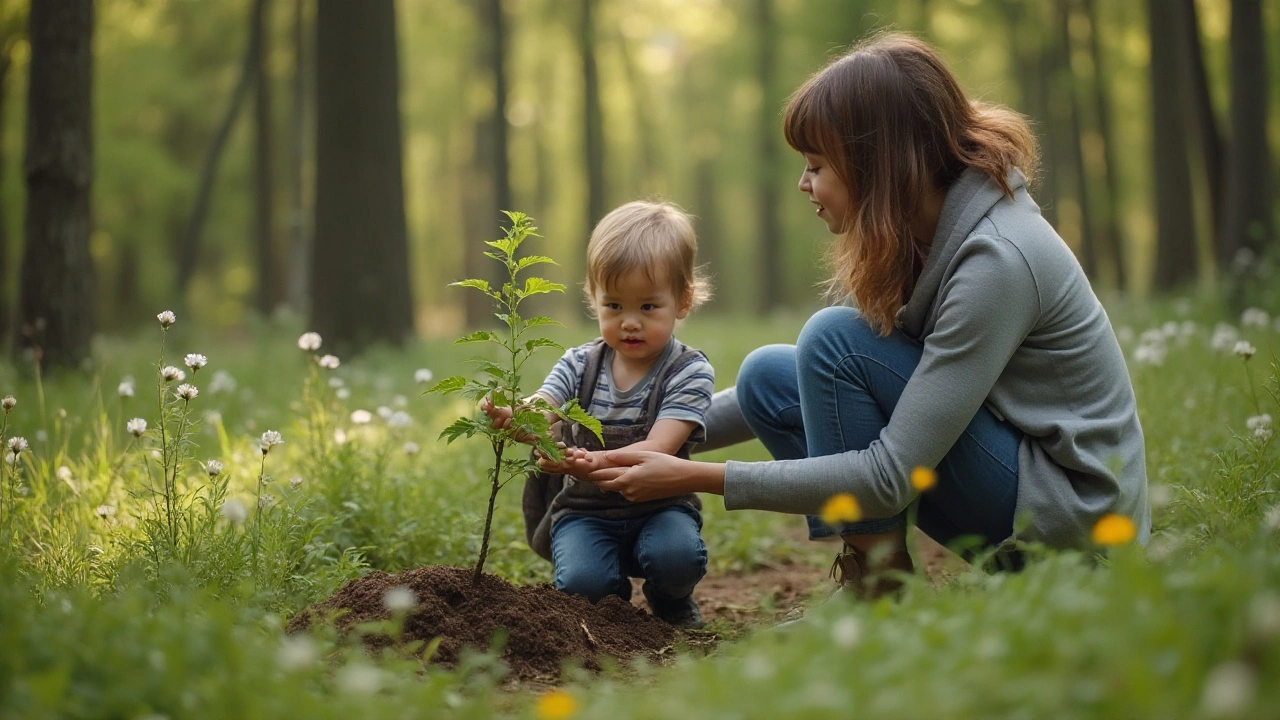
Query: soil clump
(544,626)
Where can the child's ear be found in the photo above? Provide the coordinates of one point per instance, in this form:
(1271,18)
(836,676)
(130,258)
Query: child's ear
(686,305)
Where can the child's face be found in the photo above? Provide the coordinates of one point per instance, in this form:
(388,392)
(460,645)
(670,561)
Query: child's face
(637,316)
(826,190)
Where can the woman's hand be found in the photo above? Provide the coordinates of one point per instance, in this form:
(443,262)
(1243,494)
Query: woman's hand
(643,475)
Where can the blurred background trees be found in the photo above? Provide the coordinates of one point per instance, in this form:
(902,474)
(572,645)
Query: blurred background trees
(344,160)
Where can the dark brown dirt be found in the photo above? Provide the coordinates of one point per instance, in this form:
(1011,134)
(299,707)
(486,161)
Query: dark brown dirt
(544,627)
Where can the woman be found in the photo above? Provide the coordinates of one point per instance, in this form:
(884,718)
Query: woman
(979,348)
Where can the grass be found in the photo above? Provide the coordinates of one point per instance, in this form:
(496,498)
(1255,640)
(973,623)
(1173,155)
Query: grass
(103,617)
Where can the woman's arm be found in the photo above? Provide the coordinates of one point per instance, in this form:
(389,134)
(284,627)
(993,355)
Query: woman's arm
(641,475)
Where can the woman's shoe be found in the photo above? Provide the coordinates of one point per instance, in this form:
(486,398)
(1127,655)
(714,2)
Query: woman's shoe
(867,578)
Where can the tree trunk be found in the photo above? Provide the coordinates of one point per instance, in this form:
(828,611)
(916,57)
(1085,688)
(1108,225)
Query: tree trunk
(491,180)
(771,271)
(6,62)
(592,119)
(299,256)
(1175,223)
(1110,236)
(268,294)
(360,270)
(1070,85)
(1247,216)
(56,300)
(1199,110)
(189,248)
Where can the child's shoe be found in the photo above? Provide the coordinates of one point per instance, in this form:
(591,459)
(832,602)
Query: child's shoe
(682,613)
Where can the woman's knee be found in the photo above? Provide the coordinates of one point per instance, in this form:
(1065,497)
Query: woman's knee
(762,371)
(830,335)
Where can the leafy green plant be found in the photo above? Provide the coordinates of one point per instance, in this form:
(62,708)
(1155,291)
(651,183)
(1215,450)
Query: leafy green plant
(501,381)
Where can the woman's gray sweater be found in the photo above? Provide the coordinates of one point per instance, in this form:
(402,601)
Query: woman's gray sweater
(1007,319)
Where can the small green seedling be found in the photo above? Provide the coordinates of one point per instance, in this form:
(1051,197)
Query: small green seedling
(501,380)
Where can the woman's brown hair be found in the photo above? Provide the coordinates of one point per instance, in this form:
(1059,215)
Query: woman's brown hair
(891,121)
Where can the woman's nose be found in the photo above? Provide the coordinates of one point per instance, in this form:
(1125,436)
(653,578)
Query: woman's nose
(804,184)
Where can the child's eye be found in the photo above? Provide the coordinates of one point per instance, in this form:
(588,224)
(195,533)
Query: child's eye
(613,306)
(648,307)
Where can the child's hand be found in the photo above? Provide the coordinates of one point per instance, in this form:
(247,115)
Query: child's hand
(501,416)
(577,462)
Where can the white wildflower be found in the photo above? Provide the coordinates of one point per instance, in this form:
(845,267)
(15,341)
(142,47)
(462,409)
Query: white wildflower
(171,373)
(8,403)
(343,394)
(221,382)
(42,436)
(1255,317)
(1272,518)
(422,375)
(400,401)
(212,418)
(1229,690)
(360,679)
(266,502)
(310,341)
(125,388)
(1262,434)
(17,445)
(400,419)
(235,511)
(1259,421)
(23,491)
(136,427)
(411,448)
(1169,328)
(195,361)
(105,511)
(1150,354)
(329,362)
(361,417)
(213,467)
(167,318)
(187,392)
(270,439)
(1264,615)
(1159,495)
(384,412)
(10,459)
(1224,337)
(339,436)
(399,599)
(846,631)
(1244,349)
(295,482)
(297,652)
(336,382)
(64,474)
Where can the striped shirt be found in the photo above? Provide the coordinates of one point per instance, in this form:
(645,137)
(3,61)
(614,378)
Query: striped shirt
(687,394)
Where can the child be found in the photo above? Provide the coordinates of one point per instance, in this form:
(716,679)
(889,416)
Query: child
(649,392)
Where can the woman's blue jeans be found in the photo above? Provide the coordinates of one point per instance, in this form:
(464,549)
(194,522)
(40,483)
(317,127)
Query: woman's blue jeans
(834,391)
(595,556)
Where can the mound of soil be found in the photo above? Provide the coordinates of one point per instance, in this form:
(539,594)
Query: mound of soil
(544,626)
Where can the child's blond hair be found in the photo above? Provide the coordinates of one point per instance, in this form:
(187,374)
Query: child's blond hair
(654,236)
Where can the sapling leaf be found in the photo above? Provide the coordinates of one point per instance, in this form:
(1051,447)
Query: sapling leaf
(449,385)
(536,321)
(480,285)
(477,336)
(573,411)
(460,427)
(537,286)
(531,260)
(538,342)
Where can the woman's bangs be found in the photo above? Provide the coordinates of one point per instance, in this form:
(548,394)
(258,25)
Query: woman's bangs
(803,123)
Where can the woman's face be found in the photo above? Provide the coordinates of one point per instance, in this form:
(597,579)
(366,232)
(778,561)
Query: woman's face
(825,190)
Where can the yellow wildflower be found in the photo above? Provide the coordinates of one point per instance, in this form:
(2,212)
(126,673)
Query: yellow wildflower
(556,705)
(923,478)
(1112,529)
(841,508)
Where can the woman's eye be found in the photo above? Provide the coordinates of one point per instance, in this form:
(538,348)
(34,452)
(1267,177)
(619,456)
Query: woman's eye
(811,170)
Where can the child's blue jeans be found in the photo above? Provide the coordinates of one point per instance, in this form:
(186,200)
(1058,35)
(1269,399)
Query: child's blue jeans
(596,556)
(834,390)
